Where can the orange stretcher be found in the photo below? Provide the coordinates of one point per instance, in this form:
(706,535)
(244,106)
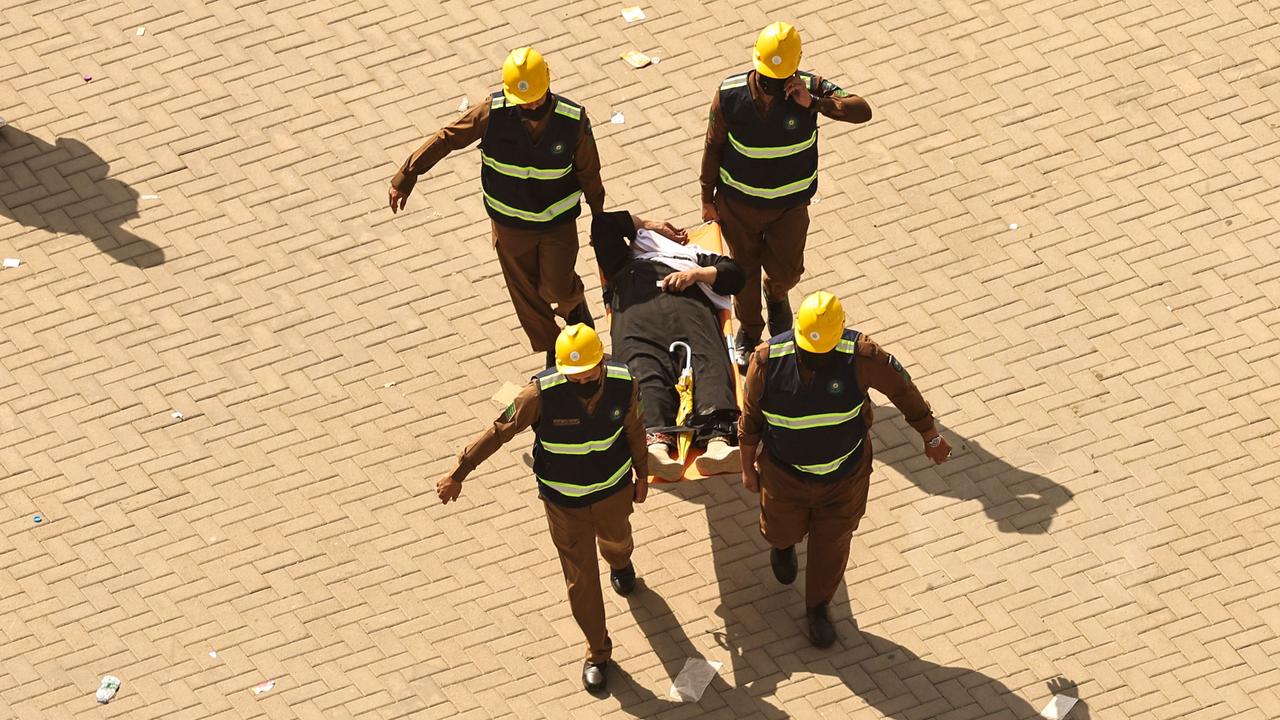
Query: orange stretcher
(707,237)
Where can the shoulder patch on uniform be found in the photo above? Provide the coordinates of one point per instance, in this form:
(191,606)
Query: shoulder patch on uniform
(897,366)
(509,413)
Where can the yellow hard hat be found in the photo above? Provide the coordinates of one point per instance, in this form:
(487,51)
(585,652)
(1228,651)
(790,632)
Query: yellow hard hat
(777,51)
(525,77)
(578,349)
(819,322)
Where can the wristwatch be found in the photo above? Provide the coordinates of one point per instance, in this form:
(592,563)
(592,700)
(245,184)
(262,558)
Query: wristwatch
(934,441)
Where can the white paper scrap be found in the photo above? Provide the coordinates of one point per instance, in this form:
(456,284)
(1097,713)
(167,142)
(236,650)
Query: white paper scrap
(264,687)
(616,118)
(1,122)
(506,394)
(1013,226)
(693,679)
(462,106)
(1058,707)
(142,31)
(213,653)
(632,14)
(150,197)
(176,415)
(12,262)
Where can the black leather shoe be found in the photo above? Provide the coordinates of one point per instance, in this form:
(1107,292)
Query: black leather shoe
(743,346)
(624,580)
(784,564)
(595,677)
(821,632)
(780,316)
(580,314)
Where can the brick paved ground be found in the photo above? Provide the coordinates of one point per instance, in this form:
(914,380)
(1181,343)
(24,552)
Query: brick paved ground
(1108,370)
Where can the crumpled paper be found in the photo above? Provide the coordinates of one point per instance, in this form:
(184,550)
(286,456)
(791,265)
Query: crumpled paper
(693,679)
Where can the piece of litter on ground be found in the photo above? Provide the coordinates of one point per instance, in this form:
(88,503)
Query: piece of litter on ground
(150,197)
(37,519)
(636,59)
(387,385)
(264,687)
(1058,707)
(142,31)
(655,60)
(213,653)
(693,679)
(506,394)
(107,690)
(1013,226)
(462,106)
(632,14)
(87,78)
(616,118)
(12,262)
(176,415)
(1168,307)
(1,122)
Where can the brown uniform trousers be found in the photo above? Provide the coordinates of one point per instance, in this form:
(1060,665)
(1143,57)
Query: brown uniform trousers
(538,266)
(576,532)
(828,513)
(771,239)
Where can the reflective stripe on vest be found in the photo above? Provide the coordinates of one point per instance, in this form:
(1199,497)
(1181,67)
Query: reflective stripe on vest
(498,102)
(573,112)
(551,381)
(806,422)
(767,153)
(589,446)
(734,81)
(617,373)
(582,490)
(767,193)
(824,468)
(525,173)
(789,348)
(547,215)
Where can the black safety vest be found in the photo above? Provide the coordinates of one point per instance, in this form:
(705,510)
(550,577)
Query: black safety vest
(769,162)
(580,457)
(528,184)
(815,432)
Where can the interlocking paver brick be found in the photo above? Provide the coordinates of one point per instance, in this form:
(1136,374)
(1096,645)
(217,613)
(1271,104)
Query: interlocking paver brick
(1108,369)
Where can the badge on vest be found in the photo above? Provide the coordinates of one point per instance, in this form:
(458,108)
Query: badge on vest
(835,387)
(616,413)
(791,123)
(557,149)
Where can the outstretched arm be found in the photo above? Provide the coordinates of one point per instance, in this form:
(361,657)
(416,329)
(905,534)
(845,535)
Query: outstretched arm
(882,371)
(455,136)
(520,414)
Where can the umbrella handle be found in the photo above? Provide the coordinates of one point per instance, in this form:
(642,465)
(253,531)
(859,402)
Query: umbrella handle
(688,353)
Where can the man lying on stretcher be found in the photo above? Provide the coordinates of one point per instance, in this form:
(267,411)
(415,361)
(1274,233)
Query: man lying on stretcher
(661,291)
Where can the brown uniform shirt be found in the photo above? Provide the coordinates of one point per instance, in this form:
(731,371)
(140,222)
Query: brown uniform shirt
(828,99)
(525,411)
(875,369)
(471,127)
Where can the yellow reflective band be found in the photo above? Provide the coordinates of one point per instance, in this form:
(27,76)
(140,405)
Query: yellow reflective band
(572,112)
(497,102)
(580,490)
(733,81)
(767,153)
(617,372)
(551,381)
(550,213)
(589,446)
(808,422)
(768,193)
(525,173)
(782,349)
(846,346)
(824,468)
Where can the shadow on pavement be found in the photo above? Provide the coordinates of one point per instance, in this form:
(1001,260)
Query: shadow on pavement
(1019,501)
(65,188)
(764,638)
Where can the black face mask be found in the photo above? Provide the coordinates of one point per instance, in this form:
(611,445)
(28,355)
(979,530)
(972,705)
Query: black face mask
(815,361)
(539,112)
(585,390)
(770,86)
